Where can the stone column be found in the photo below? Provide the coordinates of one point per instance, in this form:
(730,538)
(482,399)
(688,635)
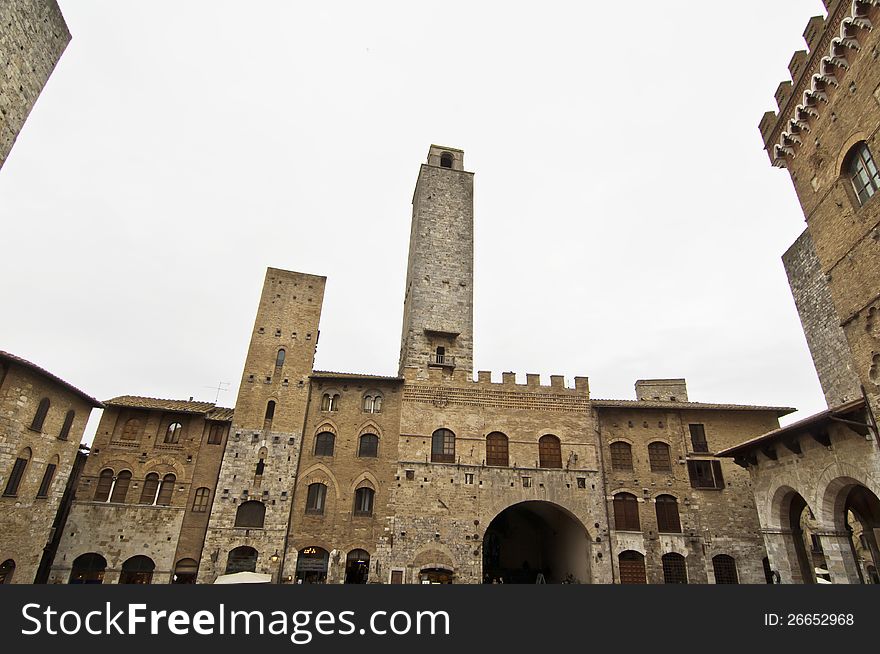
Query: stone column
(782,554)
(839,558)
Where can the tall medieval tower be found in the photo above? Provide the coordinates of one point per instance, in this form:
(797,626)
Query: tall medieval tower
(438,309)
(250,514)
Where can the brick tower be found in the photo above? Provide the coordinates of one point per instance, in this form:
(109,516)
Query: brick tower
(438,309)
(252,507)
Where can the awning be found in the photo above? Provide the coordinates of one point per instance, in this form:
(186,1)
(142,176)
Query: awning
(244,578)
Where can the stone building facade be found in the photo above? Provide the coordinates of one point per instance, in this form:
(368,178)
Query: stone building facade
(432,476)
(32,40)
(42,419)
(143,500)
(817,482)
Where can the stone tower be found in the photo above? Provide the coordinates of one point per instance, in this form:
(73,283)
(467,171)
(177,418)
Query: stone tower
(33,38)
(438,308)
(262,450)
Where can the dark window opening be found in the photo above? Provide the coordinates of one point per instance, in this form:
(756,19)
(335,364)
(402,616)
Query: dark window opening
(315,499)
(363,501)
(446,160)
(40,415)
(324,443)
(667,515)
(47,480)
(698,438)
(68,423)
(705,474)
(368,446)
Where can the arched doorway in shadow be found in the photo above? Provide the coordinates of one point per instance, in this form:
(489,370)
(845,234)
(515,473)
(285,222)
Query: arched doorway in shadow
(357,567)
(311,565)
(88,569)
(436,576)
(185,572)
(799,519)
(6,571)
(860,517)
(137,570)
(536,542)
(242,559)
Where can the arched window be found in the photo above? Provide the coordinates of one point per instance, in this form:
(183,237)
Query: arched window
(250,515)
(632,568)
(137,570)
(48,476)
(172,433)
(68,423)
(446,160)
(549,452)
(674,569)
(373,403)
(241,559)
(166,490)
(658,455)
(315,499)
(324,443)
(150,488)
(443,446)
(279,358)
(330,402)
(17,473)
(132,430)
(88,569)
(105,485)
(725,569)
(270,411)
(497,453)
(201,500)
(363,501)
(120,487)
(862,171)
(7,569)
(40,415)
(667,515)
(626,512)
(368,446)
(621,456)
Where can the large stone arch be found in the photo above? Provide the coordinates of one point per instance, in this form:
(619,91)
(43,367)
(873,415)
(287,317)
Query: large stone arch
(535,539)
(832,488)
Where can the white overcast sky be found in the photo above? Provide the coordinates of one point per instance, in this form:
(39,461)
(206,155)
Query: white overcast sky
(628,223)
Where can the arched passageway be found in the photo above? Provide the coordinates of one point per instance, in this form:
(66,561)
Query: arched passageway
(536,542)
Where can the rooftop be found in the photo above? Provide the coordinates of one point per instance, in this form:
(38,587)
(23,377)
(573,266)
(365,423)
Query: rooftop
(809,424)
(208,409)
(48,375)
(691,406)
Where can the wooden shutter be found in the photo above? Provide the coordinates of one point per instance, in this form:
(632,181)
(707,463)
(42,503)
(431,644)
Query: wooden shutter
(719,478)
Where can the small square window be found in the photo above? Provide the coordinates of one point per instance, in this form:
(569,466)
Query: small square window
(410,475)
(469,478)
(527,482)
(582,482)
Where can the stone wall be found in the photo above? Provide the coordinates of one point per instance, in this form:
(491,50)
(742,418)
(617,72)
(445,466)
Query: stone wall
(26,518)
(825,337)
(32,39)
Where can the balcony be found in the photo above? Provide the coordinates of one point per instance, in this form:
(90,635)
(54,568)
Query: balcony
(441,360)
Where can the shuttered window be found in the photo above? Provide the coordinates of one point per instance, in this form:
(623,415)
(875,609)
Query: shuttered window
(626,512)
(667,515)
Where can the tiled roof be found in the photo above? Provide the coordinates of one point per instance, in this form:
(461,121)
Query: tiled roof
(659,404)
(325,374)
(181,406)
(219,413)
(810,422)
(34,367)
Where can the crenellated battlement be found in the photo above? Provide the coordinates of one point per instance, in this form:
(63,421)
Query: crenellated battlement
(414,374)
(833,42)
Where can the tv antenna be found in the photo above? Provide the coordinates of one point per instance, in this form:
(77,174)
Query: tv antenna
(221,387)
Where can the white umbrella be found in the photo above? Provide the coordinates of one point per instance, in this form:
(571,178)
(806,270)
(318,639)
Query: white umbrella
(244,578)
